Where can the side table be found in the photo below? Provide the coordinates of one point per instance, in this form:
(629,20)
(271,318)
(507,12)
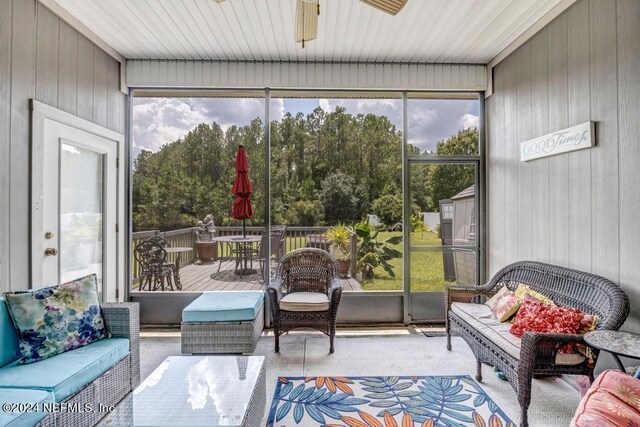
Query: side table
(618,343)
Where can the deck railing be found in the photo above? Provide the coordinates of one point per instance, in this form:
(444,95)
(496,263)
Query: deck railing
(296,237)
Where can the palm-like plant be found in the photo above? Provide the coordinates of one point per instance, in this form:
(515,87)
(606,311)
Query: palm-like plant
(340,238)
(374,253)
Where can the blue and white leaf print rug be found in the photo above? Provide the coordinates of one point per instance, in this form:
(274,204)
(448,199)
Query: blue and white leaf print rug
(426,401)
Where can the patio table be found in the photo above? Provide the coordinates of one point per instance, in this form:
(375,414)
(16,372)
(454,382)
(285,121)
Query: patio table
(196,391)
(242,247)
(177,250)
(617,343)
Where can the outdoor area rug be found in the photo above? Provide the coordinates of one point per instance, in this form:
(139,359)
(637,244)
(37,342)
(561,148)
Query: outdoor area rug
(383,402)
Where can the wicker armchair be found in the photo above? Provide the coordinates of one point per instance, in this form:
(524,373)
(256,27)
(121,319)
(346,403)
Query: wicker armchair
(570,288)
(305,293)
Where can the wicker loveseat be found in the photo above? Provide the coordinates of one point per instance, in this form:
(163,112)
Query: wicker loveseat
(535,353)
(86,380)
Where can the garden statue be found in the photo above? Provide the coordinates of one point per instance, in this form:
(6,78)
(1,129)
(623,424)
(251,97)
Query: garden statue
(205,229)
(205,246)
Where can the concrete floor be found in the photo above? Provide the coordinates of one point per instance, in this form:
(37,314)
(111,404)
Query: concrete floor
(375,351)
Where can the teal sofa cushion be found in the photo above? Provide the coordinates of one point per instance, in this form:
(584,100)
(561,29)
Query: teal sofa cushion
(9,343)
(20,419)
(68,372)
(221,306)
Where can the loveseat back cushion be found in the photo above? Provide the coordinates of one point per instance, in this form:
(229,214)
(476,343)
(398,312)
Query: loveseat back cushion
(9,343)
(67,373)
(56,319)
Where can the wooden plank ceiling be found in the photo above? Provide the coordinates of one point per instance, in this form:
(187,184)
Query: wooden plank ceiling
(439,31)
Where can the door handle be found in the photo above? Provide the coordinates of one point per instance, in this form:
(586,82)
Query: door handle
(51,252)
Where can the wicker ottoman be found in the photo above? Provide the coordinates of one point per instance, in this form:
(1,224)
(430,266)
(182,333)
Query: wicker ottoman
(223,322)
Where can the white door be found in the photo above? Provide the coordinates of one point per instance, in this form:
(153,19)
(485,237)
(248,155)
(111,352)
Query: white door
(74,205)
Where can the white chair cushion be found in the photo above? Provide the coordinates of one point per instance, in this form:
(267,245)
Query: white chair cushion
(305,301)
(482,319)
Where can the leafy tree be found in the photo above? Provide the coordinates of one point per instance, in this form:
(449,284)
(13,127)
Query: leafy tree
(388,208)
(326,167)
(446,180)
(339,198)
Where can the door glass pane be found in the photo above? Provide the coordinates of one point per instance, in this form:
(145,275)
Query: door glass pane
(443,243)
(81,212)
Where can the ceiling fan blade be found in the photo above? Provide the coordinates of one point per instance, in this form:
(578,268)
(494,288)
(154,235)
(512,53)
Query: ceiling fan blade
(392,7)
(307,12)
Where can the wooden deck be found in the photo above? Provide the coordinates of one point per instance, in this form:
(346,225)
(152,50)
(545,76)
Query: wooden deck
(197,278)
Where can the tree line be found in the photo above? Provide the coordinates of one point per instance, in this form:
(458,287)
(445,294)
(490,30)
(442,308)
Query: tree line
(326,168)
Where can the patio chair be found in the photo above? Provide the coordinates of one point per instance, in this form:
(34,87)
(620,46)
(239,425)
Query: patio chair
(278,244)
(155,270)
(159,240)
(305,293)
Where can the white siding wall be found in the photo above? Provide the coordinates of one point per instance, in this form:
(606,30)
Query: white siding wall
(42,58)
(309,75)
(577,209)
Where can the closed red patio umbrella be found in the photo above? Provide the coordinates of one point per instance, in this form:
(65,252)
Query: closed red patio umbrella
(242,189)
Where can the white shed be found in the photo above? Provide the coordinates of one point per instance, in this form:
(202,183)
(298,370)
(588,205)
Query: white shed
(464,233)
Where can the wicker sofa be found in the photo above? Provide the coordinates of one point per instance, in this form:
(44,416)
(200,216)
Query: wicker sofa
(101,373)
(536,353)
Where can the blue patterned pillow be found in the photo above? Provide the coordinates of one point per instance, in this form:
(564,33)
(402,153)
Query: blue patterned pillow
(56,319)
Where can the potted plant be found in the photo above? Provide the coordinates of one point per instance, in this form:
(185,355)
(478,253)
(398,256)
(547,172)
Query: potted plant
(374,253)
(339,237)
(205,246)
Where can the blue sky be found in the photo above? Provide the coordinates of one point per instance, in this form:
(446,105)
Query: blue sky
(159,121)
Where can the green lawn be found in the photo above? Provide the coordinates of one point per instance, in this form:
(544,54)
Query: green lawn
(427,270)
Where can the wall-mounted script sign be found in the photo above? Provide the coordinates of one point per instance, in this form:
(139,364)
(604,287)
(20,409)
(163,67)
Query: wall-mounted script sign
(570,139)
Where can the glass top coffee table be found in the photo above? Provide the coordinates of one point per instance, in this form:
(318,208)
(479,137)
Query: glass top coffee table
(196,391)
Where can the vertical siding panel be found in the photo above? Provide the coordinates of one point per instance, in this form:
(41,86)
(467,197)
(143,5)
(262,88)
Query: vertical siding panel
(558,215)
(604,157)
(629,129)
(539,127)
(510,156)
(493,124)
(100,84)
(114,98)
(47,37)
(497,176)
(525,190)
(23,53)
(163,72)
(67,68)
(5,139)
(579,161)
(85,79)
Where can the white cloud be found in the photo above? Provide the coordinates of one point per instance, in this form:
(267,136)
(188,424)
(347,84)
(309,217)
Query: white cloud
(159,121)
(468,121)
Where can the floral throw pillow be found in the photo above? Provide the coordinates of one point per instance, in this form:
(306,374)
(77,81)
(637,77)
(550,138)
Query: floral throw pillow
(536,316)
(56,319)
(504,304)
(523,290)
